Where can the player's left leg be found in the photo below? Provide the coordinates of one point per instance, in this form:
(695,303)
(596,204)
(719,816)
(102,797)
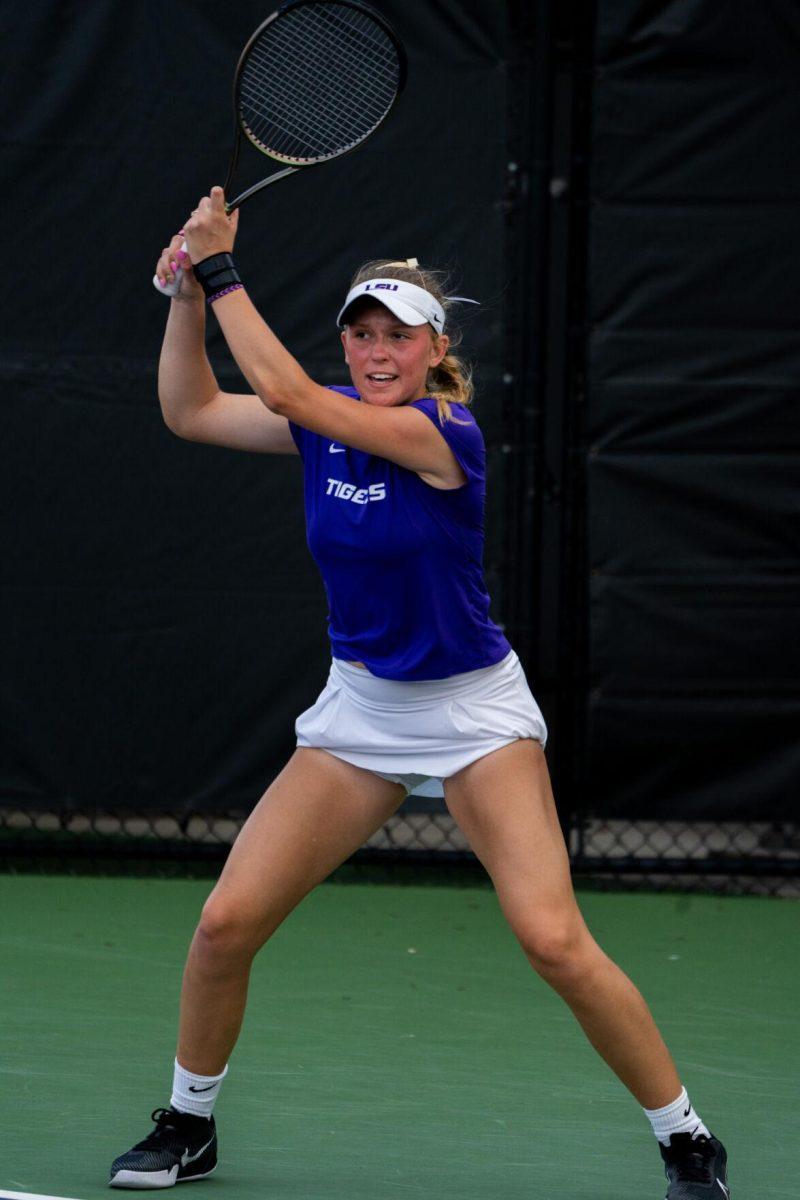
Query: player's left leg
(504,805)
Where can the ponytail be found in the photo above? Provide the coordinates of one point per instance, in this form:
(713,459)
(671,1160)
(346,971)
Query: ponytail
(450,383)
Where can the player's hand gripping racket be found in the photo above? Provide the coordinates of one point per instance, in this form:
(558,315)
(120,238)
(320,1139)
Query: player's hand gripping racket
(314,81)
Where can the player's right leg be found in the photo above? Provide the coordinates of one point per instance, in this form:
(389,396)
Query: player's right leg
(317,813)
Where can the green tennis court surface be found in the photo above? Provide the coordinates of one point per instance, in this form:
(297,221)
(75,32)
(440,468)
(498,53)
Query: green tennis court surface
(397,1044)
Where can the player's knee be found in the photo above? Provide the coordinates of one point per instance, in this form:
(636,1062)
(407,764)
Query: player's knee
(556,949)
(225,932)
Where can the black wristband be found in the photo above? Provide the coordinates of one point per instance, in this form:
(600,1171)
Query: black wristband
(216,272)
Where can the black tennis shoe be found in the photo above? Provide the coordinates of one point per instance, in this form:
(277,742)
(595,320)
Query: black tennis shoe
(180,1148)
(696,1168)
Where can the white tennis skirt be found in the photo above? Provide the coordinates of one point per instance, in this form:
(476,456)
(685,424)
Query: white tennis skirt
(412,732)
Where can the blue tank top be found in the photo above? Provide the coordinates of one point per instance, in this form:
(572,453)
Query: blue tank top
(402,562)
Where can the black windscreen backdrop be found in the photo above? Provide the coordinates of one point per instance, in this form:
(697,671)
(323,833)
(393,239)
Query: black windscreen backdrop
(692,427)
(163,623)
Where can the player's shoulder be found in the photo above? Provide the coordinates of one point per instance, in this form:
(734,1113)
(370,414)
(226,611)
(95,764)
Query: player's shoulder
(431,405)
(459,422)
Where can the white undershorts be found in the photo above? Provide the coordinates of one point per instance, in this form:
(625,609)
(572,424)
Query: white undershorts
(414,732)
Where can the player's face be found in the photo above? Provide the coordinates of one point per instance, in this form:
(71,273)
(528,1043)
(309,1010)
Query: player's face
(389,361)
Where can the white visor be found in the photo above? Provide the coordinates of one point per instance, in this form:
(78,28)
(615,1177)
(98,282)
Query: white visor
(410,304)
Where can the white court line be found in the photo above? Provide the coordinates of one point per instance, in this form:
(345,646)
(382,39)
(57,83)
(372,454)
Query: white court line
(30,1196)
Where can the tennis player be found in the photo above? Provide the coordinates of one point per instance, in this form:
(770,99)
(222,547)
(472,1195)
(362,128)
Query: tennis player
(422,685)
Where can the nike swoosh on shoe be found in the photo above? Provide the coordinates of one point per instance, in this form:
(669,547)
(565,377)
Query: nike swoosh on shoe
(186,1157)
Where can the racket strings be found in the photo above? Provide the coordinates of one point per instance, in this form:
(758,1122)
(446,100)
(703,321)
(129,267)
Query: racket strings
(330,118)
(318,82)
(305,70)
(287,121)
(293,133)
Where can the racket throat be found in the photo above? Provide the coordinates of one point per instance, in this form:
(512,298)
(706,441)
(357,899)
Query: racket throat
(257,187)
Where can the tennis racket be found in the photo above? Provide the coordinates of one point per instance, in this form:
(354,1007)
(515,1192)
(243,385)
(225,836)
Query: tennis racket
(316,79)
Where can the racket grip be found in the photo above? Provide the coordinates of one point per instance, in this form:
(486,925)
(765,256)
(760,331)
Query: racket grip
(170,289)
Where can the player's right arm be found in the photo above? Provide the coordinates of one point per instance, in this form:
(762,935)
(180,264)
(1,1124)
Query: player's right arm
(192,404)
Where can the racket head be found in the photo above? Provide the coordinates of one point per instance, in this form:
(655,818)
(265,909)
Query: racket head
(316,79)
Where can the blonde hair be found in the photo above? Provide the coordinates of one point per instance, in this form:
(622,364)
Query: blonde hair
(450,382)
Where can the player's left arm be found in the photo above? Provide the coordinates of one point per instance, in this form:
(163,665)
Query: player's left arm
(403,435)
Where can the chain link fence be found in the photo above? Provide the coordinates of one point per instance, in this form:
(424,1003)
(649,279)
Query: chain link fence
(757,858)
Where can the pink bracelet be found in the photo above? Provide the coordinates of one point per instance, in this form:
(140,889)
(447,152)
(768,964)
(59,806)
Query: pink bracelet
(233,288)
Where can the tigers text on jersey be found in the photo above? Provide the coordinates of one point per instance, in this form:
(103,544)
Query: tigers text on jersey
(402,562)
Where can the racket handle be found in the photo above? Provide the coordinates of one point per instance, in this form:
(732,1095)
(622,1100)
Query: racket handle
(170,289)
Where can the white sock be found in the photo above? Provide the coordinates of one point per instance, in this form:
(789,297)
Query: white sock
(195,1094)
(677,1117)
